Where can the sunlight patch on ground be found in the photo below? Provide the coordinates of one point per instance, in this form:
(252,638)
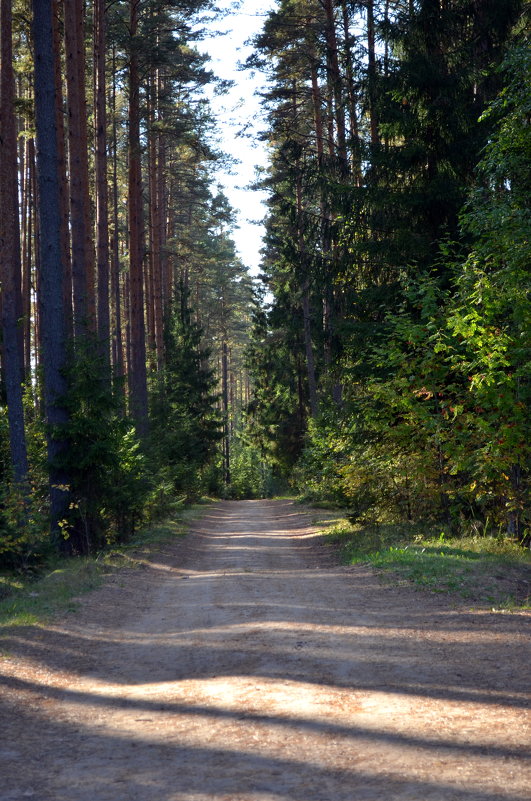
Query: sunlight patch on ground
(243,718)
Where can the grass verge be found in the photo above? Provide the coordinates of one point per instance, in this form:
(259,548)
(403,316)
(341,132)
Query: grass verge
(480,569)
(26,600)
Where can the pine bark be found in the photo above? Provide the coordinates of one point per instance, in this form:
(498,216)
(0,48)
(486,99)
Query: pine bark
(317,111)
(27,251)
(62,174)
(35,273)
(306,307)
(138,375)
(225,409)
(117,335)
(102,192)
(371,74)
(52,275)
(156,178)
(162,187)
(304,278)
(151,256)
(10,257)
(335,82)
(355,141)
(82,251)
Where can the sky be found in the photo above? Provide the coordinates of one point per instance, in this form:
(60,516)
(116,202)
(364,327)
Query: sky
(237,109)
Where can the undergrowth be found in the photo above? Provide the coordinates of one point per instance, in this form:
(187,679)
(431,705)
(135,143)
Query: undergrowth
(484,569)
(28,599)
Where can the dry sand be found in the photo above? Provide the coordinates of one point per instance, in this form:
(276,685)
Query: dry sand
(243,664)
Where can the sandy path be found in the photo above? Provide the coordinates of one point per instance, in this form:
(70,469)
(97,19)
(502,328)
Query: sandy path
(242,664)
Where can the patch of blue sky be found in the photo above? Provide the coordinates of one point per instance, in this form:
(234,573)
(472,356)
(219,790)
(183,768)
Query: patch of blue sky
(239,117)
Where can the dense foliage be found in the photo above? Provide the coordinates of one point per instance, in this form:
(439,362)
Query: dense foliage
(396,347)
(125,305)
(384,363)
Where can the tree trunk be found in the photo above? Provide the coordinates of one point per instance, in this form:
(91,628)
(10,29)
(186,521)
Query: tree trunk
(225,409)
(336,85)
(27,251)
(82,252)
(62,175)
(35,273)
(162,214)
(10,260)
(304,280)
(156,211)
(316,99)
(102,192)
(138,378)
(355,142)
(308,346)
(117,337)
(371,46)
(51,279)
(151,256)
(326,216)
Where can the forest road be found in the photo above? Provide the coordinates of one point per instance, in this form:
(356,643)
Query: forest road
(241,663)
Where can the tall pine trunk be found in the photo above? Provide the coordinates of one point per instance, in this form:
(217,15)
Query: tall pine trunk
(36,347)
(51,278)
(371,74)
(82,250)
(306,306)
(102,194)
(27,250)
(335,83)
(355,141)
(155,194)
(304,278)
(162,187)
(117,335)
(137,367)
(10,259)
(62,173)
(225,411)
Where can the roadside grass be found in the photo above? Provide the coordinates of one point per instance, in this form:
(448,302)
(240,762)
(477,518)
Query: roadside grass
(481,569)
(27,600)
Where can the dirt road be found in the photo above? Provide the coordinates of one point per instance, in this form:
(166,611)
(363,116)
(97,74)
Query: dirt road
(242,664)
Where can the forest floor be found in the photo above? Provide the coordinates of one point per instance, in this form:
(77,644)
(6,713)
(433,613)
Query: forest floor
(242,663)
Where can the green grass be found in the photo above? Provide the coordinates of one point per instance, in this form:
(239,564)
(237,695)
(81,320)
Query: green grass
(27,600)
(481,569)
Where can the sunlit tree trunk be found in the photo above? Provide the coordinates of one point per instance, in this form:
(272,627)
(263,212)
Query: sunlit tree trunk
(335,82)
(225,411)
(102,191)
(82,250)
(155,180)
(372,91)
(137,366)
(117,335)
(27,250)
(62,174)
(152,250)
(37,345)
(162,187)
(306,309)
(355,143)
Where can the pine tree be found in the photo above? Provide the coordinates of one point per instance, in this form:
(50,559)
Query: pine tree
(10,257)
(51,294)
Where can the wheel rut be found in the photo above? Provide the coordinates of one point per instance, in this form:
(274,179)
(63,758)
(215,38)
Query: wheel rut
(243,664)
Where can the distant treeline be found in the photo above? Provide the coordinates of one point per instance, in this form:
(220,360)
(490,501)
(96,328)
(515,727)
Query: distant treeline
(392,368)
